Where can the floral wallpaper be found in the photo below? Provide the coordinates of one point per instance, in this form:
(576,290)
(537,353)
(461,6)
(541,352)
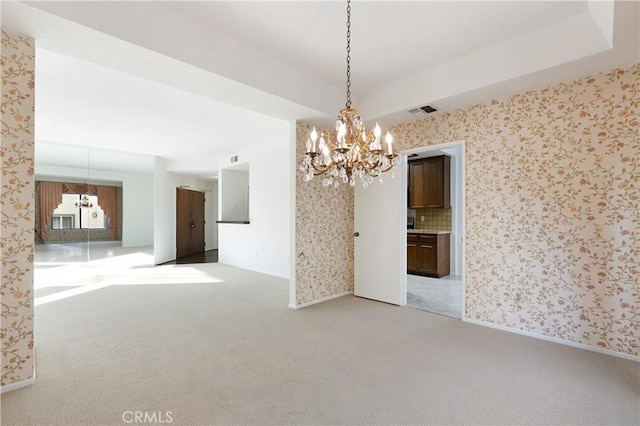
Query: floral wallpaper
(324,234)
(553,208)
(17,208)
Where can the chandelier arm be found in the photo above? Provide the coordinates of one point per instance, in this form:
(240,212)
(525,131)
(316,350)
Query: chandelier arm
(391,166)
(321,171)
(368,166)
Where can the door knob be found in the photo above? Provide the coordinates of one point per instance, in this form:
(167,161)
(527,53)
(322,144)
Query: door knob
(356,234)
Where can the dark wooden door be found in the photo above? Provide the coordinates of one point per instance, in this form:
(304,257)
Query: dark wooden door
(189,222)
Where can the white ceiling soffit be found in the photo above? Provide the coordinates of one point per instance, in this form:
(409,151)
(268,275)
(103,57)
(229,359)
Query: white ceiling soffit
(55,159)
(81,103)
(596,40)
(147,40)
(193,81)
(294,50)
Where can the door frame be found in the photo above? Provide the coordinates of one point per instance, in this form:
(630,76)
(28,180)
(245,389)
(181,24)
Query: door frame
(459,220)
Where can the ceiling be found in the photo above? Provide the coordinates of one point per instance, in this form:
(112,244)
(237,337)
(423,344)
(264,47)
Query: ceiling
(194,81)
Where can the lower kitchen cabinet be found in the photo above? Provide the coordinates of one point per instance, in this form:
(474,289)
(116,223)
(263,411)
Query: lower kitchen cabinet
(428,254)
(412,253)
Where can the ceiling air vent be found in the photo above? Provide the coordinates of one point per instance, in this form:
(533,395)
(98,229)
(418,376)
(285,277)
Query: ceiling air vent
(423,110)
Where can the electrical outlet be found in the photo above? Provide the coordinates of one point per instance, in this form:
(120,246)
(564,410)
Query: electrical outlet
(421,218)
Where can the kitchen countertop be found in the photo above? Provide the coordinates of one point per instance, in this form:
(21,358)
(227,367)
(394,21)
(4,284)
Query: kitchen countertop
(426,231)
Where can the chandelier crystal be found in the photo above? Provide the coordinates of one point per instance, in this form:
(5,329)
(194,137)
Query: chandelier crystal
(350,151)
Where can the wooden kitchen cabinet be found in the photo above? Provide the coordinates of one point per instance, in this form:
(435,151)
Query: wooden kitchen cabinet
(417,189)
(412,253)
(428,254)
(430,183)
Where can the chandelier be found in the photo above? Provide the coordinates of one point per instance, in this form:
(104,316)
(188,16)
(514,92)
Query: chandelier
(84,202)
(350,151)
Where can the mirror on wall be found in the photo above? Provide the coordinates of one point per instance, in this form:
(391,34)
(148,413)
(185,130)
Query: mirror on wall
(92,206)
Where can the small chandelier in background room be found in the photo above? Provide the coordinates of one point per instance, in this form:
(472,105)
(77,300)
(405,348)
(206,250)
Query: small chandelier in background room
(350,151)
(84,202)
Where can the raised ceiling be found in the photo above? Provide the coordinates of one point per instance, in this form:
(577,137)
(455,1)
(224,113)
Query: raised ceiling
(200,80)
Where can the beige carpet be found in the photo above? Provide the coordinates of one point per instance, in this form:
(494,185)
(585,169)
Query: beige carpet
(227,350)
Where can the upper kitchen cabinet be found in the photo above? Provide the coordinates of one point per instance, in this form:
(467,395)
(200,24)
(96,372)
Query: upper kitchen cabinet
(430,183)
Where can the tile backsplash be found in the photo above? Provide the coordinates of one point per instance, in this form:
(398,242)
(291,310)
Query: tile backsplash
(434,219)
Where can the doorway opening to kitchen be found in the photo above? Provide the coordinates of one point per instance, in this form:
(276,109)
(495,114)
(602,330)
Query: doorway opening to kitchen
(435,229)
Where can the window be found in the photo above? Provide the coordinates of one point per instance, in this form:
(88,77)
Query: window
(78,211)
(62,221)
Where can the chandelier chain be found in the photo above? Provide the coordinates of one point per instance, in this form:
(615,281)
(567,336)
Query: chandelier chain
(348,104)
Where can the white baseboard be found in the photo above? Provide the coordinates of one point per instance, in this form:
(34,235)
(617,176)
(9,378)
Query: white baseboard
(553,339)
(324,299)
(17,385)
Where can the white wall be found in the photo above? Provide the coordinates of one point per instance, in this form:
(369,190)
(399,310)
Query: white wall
(235,186)
(211,215)
(137,210)
(264,244)
(137,197)
(164,232)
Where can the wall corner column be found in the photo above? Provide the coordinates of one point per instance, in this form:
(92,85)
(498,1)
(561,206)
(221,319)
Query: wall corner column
(17,210)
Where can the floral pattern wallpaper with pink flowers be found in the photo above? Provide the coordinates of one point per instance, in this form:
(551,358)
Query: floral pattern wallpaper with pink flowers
(324,234)
(552,208)
(17,208)
(552,211)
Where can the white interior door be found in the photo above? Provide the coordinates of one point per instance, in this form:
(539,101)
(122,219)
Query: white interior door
(380,252)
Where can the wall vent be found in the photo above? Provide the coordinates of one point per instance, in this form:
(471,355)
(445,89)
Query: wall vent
(423,110)
(234,159)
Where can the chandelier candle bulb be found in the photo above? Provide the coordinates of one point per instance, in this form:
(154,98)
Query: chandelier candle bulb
(389,140)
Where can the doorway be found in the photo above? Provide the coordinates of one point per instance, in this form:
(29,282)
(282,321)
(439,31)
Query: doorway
(189,222)
(440,293)
(380,238)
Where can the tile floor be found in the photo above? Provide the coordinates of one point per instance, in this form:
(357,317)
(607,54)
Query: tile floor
(437,295)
